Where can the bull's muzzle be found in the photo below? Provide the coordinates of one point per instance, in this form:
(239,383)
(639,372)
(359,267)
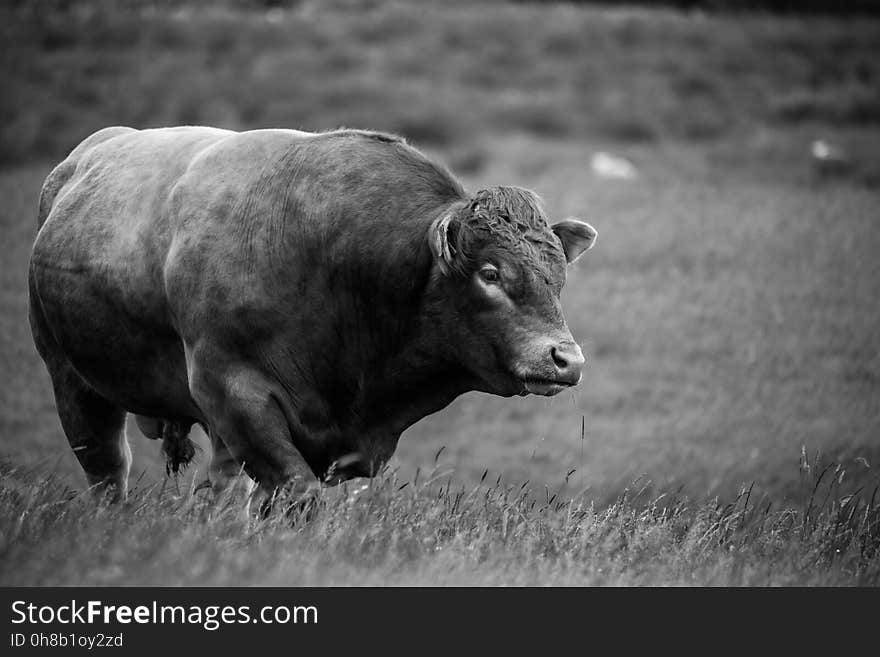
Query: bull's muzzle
(569,362)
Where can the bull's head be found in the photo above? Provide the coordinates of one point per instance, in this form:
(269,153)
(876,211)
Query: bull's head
(502,267)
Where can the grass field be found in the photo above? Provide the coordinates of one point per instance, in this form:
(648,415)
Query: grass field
(730,312)
(392,533)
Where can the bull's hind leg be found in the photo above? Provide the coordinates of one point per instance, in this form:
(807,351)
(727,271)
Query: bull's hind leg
(94,426)
(95,429)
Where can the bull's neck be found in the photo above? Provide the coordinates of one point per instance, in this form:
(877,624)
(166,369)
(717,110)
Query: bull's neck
(404,366)
(414,383)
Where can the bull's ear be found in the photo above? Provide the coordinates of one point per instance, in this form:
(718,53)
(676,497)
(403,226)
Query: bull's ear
(440,236)
(577,237)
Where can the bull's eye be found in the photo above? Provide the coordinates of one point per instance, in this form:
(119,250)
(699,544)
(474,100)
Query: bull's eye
(490,274)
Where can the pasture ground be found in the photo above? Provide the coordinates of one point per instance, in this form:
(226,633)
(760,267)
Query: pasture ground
(431,532)
(729,312)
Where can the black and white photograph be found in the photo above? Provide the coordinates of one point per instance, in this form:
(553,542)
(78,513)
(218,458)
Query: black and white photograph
(410,294)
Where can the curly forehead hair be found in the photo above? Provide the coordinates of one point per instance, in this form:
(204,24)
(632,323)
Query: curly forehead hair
(505,208)
(510,218)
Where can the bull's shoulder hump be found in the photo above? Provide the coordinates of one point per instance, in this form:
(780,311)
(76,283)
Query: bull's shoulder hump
(384,155)
(289,136)
(366,135)
(283,140)
(254,158)
(345,146)
(268,148)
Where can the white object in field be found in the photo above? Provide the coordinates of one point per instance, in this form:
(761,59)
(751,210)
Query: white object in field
(828,158)
(606,165)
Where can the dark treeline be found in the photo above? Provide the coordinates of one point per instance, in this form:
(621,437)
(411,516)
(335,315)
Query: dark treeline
(838,7)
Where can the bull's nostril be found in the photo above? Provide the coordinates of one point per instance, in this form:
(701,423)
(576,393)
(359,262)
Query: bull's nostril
(569,362)
(558,358)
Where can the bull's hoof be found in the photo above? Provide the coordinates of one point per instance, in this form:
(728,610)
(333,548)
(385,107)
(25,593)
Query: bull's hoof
(295,504)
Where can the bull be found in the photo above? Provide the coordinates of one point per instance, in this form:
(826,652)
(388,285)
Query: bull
(304,297)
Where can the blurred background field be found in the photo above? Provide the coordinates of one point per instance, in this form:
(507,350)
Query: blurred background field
(730,312)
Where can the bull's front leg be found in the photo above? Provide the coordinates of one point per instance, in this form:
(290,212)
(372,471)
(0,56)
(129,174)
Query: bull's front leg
(226,477)
(242,409)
